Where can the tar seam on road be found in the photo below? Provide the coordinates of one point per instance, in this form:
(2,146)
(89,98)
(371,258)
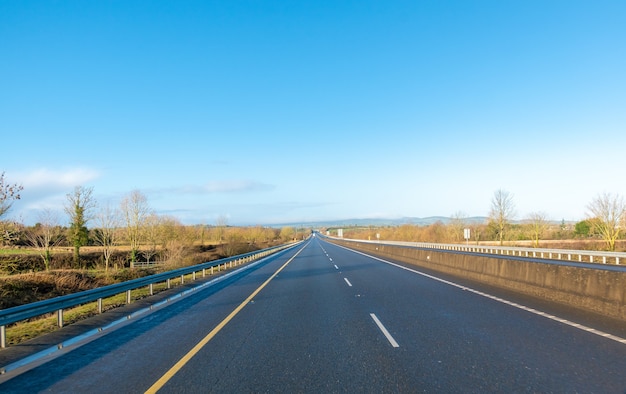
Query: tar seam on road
(185,359)
(384,331)
(513,304)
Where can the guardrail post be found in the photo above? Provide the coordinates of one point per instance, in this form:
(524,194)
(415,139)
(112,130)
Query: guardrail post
(603,259)
(231,264)
(193,275)
(99,305)
(591,259)
(128,296)
(211,270)
(169,284)
(182,279)
(60,318)
(3,337)
(203,272)
(617,260)
(151,288)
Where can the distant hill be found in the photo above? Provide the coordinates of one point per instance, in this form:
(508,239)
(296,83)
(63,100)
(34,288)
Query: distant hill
(378,222)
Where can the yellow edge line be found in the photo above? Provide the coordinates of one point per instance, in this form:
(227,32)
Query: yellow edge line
(185,359)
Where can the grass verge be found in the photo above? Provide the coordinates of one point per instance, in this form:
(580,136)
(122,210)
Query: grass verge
(23,331)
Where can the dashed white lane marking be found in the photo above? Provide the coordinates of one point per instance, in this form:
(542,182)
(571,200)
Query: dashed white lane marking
(336,267)
(348,282)
(513,304)
(384,331)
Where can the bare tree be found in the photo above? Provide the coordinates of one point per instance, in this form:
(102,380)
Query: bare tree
(107,221)
(176,238)
(287,233)
(609,210)
(538,223)
(458,222)
(152,235)
(45,235)
(135,211)
(502,211)
(8,194)
(79,207)
(220,226)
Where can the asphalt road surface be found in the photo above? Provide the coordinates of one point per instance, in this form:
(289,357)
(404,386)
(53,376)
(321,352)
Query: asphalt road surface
(321,318)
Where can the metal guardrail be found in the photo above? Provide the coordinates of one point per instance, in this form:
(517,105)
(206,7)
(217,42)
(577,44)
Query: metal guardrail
(583,256)
(58,304)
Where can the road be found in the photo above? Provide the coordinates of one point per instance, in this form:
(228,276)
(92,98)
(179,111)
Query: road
(321,318)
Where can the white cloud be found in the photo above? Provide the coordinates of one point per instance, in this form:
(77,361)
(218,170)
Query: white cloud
(44,178)
(46,188)
(215,187)
(235,186)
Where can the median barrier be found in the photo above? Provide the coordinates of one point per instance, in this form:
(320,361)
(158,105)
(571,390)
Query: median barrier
(595,290)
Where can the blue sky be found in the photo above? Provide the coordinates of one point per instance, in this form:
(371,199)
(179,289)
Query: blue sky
(276,111)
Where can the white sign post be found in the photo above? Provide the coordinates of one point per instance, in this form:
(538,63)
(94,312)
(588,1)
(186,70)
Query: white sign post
(466,235)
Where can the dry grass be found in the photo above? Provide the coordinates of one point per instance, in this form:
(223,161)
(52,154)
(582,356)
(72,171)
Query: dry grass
(24,288)
(26,330)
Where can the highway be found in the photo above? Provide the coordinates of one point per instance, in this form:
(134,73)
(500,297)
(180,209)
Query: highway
(321,318)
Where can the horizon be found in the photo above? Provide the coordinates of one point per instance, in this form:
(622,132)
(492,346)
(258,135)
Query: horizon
(284,113)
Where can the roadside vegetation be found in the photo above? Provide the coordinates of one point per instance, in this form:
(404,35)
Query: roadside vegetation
(95,244)
(24,278)
(601,230)
(91,245)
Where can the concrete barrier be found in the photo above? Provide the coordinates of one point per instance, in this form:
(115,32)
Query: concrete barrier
(594,290)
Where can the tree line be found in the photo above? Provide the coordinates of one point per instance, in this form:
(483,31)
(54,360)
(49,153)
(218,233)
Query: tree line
(606,220)
(132,224)
(135,224)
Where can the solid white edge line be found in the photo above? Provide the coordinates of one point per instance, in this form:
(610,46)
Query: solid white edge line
(510,303)
(348,282)
(384,331)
